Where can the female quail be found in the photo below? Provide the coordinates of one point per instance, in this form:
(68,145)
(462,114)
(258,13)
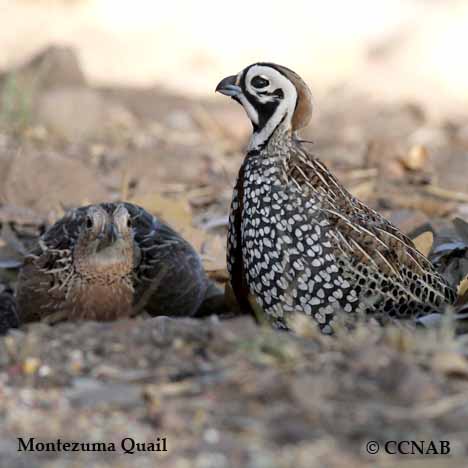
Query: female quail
(298,240)
(108,261)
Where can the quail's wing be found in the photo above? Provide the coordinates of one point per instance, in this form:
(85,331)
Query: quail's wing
(371,253)
(170,279)
(43,266)
(62,235)
(378,257)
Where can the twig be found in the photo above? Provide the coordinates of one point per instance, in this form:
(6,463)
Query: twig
(447,194)
(55,317)
(124,184)
(432,409)
(361,173)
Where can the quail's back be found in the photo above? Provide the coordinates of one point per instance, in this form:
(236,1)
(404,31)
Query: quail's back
(298,241)
(108,261)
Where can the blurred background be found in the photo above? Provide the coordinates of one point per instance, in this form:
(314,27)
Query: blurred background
(388,49)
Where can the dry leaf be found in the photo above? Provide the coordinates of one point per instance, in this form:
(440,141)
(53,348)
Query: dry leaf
(463,286)
(424,242)
(364,189)
(214,253)
(31,365)
(174,211)
(450,363)
(416,158)
(462,291)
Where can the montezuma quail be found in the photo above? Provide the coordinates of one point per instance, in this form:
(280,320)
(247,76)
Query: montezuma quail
(108,261)
(298,240)
(8,316)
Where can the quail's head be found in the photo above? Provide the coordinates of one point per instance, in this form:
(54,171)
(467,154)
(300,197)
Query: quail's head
(269,94)
(105,241)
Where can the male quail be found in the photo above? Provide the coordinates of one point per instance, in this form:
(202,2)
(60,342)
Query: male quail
(108,261)
(298,241)
(8,316)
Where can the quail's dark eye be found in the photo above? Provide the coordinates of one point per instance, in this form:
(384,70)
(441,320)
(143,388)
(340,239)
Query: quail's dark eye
(259,82)
(129,222)
(89,222)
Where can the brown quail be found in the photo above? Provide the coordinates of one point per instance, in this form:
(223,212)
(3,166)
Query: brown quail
(107,261)
(298,240)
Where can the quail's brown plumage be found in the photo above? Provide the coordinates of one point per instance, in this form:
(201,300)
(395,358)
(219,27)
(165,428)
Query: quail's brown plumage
(8,316)
(109,261)
(298,240)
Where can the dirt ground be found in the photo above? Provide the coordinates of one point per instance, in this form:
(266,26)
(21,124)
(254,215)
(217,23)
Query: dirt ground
(224,393)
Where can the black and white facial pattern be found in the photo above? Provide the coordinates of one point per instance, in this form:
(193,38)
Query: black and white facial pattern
(268,97)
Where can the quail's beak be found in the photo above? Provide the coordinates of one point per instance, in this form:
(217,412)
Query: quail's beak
(228,87)
(108,237)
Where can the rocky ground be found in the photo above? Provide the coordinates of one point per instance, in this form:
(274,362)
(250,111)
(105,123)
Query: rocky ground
(222,392)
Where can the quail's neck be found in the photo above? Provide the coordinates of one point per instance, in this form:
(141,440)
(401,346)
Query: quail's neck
(278,128)
(115,260)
